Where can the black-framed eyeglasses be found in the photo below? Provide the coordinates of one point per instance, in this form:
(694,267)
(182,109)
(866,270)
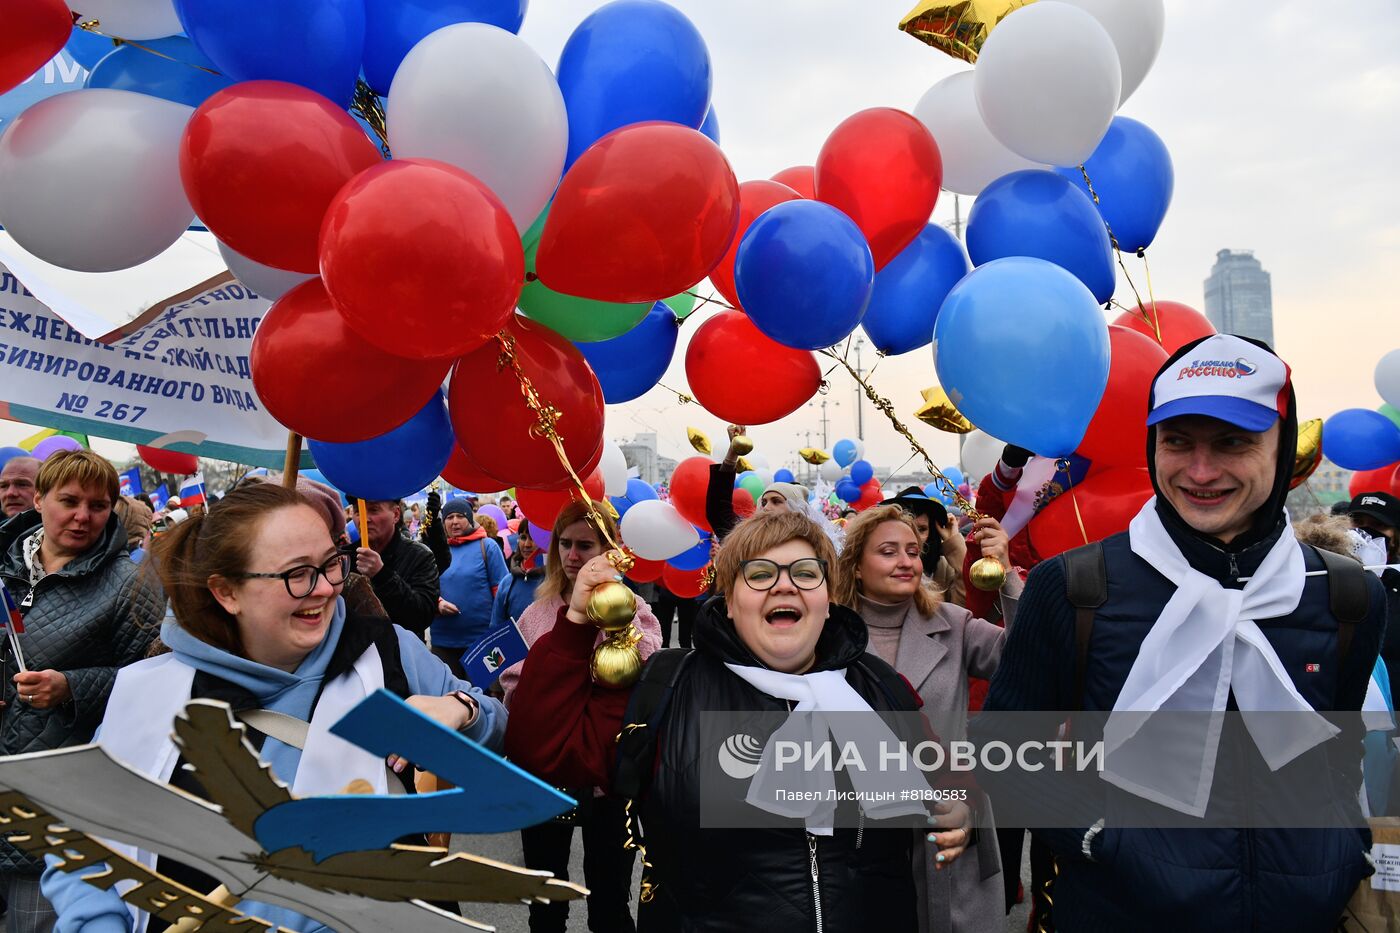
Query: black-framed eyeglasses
(762,574)
(301,580)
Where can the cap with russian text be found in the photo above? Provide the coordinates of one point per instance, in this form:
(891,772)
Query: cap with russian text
(1381,506)
(1224,377)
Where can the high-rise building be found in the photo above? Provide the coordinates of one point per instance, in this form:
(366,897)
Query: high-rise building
(1239,297)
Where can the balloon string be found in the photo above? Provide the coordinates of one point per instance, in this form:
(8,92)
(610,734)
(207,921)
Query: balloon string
(547,426)
(366,104)
(1063,466)
(95,27)
(1118,254)
(887,409)
(1156,320)
(681,397)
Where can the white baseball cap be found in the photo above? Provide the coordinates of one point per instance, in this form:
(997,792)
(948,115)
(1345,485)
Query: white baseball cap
(1225,377)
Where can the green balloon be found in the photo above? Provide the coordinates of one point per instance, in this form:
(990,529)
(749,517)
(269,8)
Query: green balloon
(579,319)
(1391,412)
(754,485)
(682,304)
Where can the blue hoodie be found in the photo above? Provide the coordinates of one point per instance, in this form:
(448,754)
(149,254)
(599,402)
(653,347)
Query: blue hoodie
(82,908)
(470,585)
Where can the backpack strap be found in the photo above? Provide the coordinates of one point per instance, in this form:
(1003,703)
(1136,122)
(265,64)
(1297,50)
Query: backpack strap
(1086,587)
(636,745)
(1347,598)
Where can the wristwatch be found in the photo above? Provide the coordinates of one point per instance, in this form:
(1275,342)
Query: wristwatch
(467,700)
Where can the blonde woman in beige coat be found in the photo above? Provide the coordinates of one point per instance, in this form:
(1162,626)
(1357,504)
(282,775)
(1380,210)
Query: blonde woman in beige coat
(935,645)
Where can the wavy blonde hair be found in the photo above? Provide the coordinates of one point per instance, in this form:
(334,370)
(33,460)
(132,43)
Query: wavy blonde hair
(555,583)
(859,530)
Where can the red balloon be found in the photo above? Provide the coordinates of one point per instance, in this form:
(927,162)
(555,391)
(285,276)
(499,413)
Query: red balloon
(493,424)
(304,356)
(1107,502)
(883,169)
(1180,324)
(689,485)
(1118,434)
(464,474)
(169,461)
(743,503)
(35,31)
(687,584)
(645,213)
(542,506)
(646,571)
(262,160)
(755,197)
(871,494)
(800,178)
(1382,479)
(421,258)
(742,376)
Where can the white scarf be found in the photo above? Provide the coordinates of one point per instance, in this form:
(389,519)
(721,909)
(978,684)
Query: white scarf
(793,792)
(1204,645)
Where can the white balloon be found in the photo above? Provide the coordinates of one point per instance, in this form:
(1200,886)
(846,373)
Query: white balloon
(831,471)
(1047,83)
(972,157)
(268,282)
(1388,378)
(1136,28)
(90,180)
(758,461)
(614,467)
(130,19)
(654,530)
(477,97)
(765,477)
(980,453)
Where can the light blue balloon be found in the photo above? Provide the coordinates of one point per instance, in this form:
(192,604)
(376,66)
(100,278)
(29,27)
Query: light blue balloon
(1039,213)
(1021,347)
(955,475)
(783,475)
(845,453)
(1133,177)
(910,290)
(1360,439)
(184,78)
(862,472)
(631,61)
(9,453)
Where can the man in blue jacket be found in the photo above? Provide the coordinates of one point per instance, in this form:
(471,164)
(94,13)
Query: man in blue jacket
(1207,603)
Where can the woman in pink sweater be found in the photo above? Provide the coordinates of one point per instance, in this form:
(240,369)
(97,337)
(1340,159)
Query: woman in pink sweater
(607,866)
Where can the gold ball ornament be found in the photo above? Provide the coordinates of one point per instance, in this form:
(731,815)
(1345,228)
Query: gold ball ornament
(741,444)
(611,606)
(987,574)
(616,662)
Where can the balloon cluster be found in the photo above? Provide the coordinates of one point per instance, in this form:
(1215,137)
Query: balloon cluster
(852,476)
(1369,441)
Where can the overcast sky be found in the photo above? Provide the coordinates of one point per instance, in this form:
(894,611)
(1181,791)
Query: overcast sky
(1280,117)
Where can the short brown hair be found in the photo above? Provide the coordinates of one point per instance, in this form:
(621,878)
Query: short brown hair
(216,543)
(757,535)
(87,469)
(555,583)
(858,533)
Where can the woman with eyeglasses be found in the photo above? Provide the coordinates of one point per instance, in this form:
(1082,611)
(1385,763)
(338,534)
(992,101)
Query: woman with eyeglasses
(774,643)
(257,620)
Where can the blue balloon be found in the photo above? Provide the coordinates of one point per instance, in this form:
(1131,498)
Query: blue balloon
(783,475)
(845,453)
(185,80)
(629,366)
(9,453)
(1132,175)
(804,274)
(314,43)
(862,472)
(1040,214)
(395,464)
(955,476)
(848,491)
(88,48)
(1021,347)
(637,491)
(631,61)
(696,557)
(1360,439)
(711,126)
(909,291)
(392,27)
(932,491)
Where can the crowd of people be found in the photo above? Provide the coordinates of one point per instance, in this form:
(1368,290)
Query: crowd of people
(268,600)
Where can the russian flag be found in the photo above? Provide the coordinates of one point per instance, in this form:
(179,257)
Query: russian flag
(12,618)
(192,491)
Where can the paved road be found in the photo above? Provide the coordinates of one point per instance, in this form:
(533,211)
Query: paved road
(509,919)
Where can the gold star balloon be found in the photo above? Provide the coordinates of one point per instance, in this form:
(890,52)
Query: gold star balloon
(813,456)
(1309,453)
(698,440)
(958,28)
(938,411)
